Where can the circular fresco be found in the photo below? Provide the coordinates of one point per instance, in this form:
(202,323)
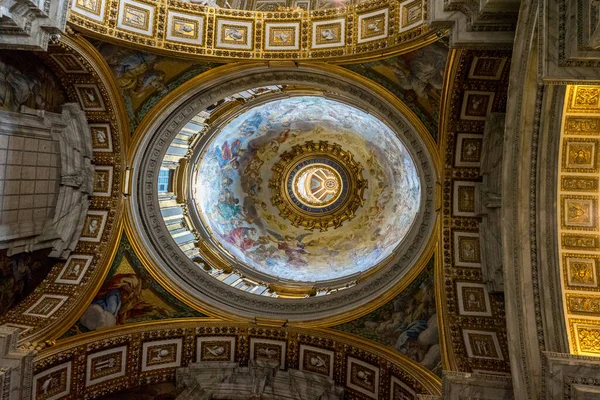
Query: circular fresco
(305,189)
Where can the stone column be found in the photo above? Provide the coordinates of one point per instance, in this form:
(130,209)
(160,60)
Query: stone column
(566,376)
(488,201)
(45,179)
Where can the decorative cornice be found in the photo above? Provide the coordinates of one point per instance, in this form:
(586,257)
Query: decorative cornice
(372,29)
(130,346)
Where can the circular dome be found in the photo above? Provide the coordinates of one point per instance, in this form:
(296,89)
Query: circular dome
(305,189)
(287,194)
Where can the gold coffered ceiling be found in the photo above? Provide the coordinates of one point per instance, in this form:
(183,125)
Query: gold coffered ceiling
(578,230)
(371,29)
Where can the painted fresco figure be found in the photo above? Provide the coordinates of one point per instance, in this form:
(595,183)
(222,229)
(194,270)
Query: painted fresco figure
(118,300)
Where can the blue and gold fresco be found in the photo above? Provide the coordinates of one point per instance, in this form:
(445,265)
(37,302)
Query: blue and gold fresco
(408,323)
(129,294)
(416,78)
(145,78)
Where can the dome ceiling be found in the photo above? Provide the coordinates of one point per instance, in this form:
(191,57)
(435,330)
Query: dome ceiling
(297,201)
(306,189)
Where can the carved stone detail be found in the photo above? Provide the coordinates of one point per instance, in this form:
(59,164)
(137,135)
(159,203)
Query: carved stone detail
(16,366)
(31,24)
(488,203)
(476,23)
(259,380)
(464,385)
(69,133)
(571,40)
(566,376)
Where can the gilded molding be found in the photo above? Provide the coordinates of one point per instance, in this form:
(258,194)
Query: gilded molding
(372,29)
(182,94)
(127,347)
(578,229)
(56,304)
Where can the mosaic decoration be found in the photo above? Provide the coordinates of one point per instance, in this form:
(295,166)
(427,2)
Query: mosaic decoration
(161,354)
(270,32)
(215,348)
(145,78)
(89,97)
(317,360)
(74,269)
(411,14)
(234,34)
(408,323)
(185,28)
(129,294)
(282,36)
(53,383)
(119,361)
(416,78)
(268,350)
(475,329)
(327,34)
(136,17)
(373,25)
(91,9)
(577,213)
(254,226)
(69,283)
(102,180)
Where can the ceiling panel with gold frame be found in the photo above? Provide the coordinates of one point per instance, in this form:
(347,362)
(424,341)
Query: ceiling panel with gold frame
(577,211)
(372,29)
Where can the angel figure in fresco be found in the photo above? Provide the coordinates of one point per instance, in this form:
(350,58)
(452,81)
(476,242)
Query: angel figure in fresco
(242,237)
(228,155)
(228,205)
(420,73)
(117,301)
(251,125)
(135,71)
(293,248)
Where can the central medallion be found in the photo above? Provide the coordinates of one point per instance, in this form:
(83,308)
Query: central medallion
(317,185)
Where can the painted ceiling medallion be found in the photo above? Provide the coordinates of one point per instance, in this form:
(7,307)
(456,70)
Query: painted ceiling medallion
(317,185)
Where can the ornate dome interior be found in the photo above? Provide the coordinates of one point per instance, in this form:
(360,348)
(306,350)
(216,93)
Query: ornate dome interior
(299,199)
(255,185)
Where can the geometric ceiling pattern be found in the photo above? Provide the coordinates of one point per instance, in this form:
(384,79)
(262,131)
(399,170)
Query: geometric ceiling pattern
(474,319)
(94,365)
(194,30)
(70,285)
(577,207)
